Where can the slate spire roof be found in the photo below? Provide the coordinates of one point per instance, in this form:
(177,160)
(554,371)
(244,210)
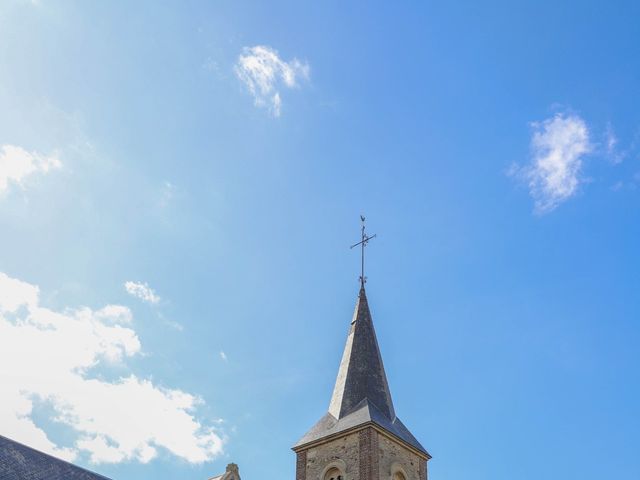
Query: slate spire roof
(361,375)
(361,394)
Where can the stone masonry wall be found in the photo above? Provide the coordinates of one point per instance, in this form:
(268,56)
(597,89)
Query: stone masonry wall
(392,454)
(344,448)
(365,454)
(423,469)
(301,465)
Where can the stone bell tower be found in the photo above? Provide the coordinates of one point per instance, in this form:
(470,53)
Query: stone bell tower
(360,437)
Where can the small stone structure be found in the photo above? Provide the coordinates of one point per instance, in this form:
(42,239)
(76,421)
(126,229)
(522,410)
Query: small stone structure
(232,473)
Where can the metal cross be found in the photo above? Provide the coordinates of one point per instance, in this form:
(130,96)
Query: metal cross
(363,243)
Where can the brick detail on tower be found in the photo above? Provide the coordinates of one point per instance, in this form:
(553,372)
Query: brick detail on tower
(301,465)
(423,469)
(368,454)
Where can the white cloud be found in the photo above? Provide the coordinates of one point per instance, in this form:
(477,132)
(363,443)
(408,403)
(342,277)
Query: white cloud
(558,145)
(115,314)
(611,145)
(223,356)
(142,291)
(16,165)
(48,356)
(263,72)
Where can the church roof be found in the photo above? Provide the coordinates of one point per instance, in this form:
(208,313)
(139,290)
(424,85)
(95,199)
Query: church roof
(366,412)
(361,394)
(19,462)
(361,374)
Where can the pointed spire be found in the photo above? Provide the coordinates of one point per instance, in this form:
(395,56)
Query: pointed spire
(361,375)
(361,395)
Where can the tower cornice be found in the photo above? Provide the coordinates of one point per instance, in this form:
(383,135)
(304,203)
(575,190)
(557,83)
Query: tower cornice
(421,453)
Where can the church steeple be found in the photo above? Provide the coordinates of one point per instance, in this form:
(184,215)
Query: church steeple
(361,376)
(361,395)
(360,437)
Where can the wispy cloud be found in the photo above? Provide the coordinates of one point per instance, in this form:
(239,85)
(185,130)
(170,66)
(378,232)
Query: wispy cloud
(49,356)
(611,146)
(117,314)
(142,291)
(171,323)
(264,73)
(17,164)
(223,356)
(558,145)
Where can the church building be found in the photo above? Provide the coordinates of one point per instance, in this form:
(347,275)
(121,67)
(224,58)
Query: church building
(359,438)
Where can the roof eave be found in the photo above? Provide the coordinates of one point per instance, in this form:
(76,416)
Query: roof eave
(304,446)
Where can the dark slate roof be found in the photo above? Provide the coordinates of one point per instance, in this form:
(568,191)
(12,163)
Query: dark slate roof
(361,374)
(361,394)
(366,412)
(19,462)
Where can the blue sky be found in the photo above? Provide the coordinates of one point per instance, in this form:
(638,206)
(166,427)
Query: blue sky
(180,182)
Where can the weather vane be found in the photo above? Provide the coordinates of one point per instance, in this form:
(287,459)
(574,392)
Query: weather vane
(363,243)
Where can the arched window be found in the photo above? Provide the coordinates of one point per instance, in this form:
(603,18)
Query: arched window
(398,476)
(333,474)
